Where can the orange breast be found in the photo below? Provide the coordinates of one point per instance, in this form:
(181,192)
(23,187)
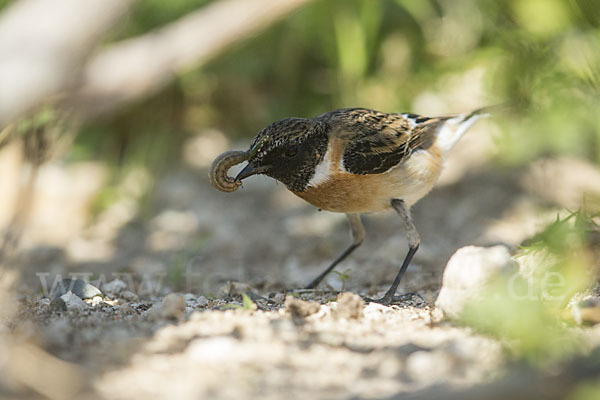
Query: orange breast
(349,193)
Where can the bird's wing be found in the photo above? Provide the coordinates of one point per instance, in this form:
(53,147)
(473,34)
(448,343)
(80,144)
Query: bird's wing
(378,141)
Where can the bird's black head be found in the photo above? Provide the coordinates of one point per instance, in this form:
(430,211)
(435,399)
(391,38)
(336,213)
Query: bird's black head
(289,151)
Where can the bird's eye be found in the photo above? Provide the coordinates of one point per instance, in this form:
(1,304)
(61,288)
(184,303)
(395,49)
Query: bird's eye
(291,152)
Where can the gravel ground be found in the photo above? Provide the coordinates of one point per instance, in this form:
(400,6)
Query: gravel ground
(326,346)
(172,322)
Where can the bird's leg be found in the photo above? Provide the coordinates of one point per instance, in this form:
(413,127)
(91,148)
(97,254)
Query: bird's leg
(413,244)
(358,234)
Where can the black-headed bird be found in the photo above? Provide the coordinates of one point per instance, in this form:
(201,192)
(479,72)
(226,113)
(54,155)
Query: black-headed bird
(357,161)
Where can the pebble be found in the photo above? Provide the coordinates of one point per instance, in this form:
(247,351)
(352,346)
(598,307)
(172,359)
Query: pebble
(233,288)
(189,297)
(376,310)
(58,305)
(467,276)
(129,296)
(97,301)
(172,307)
(44,302)
(202,301)
(279,298)
(300,309)
(349,305)
(78,287)
(72,301)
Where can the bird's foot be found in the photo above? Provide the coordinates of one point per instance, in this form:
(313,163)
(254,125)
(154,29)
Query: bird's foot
(389,299)
(386,301)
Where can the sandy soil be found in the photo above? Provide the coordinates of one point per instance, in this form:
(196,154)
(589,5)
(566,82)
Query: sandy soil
(175,325)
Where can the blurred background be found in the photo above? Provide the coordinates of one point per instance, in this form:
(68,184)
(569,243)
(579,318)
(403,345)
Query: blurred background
(111,113)
(422,56)
(178,108)
(428,57)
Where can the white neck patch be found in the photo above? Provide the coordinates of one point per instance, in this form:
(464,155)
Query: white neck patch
(322,171)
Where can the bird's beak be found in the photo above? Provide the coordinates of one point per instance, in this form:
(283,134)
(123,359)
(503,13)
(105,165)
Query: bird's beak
(250,170)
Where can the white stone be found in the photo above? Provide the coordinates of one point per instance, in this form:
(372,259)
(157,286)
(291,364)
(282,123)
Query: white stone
(468,274)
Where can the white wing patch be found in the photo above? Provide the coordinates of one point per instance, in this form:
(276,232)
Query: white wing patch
(411,121)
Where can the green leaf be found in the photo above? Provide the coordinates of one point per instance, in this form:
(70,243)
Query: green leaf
(247,303)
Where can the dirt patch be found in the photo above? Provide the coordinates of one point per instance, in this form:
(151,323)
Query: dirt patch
(199,300)
(340,348)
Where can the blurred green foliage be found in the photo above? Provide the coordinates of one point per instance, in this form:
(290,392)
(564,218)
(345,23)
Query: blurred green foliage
(588,391)
(343,277)
(528,309)
(392,55)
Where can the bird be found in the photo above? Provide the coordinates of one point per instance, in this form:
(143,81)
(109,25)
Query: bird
(359,161)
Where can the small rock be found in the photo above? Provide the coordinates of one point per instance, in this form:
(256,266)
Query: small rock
(129,296)
(78,287)
(300,309)
(279,298)
(189,297)
(115,286)
(349,305)
(467,275)
(376,310)
(232,288)
(73,301)
(202,301)
(97,300)
(44,302)
(172,307)
(58,305)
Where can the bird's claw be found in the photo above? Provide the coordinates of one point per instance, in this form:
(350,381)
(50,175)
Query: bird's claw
(390,299)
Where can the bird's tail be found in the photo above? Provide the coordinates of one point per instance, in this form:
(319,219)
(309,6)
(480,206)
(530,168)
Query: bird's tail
(454,127)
